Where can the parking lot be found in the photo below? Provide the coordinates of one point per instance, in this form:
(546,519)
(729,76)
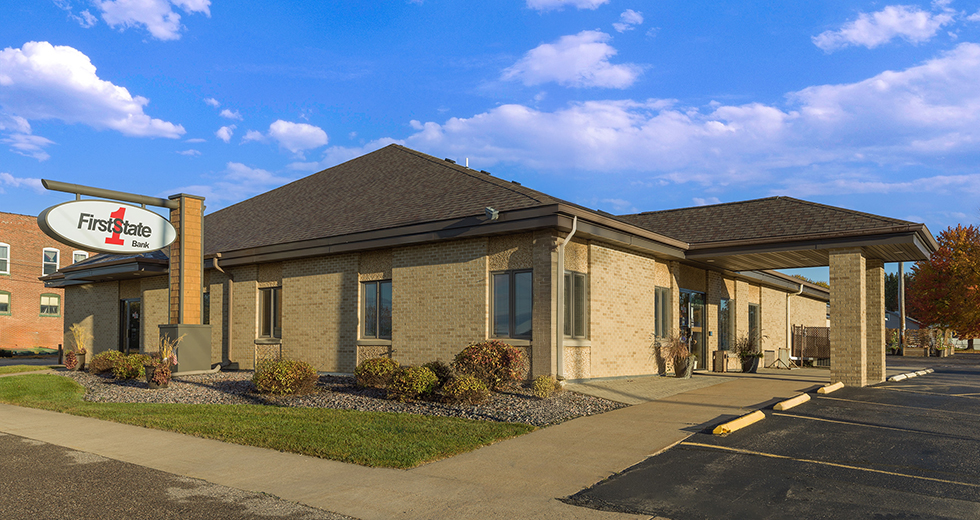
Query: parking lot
(908,449)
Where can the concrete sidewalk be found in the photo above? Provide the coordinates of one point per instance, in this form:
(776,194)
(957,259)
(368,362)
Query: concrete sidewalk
(518,478)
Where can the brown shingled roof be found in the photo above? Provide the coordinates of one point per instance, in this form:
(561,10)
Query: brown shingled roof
(390,187)
(773,217)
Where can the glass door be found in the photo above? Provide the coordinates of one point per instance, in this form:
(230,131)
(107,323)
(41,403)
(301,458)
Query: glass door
(129,323)
(692,322)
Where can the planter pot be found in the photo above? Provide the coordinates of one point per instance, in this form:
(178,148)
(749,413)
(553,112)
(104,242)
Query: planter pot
(683,368)
(750,365)
(150,370)
(80,363)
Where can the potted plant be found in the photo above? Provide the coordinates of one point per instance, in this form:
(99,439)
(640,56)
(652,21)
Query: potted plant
(748,351)
(676,350)
(158,371)
(81,336)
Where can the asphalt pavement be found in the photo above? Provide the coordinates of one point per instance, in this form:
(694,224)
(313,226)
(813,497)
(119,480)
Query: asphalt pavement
(904,449)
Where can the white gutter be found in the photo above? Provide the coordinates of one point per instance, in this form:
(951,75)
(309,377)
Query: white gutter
(789,326)
(560,336)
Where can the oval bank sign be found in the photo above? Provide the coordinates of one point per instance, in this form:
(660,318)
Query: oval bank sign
(108,227)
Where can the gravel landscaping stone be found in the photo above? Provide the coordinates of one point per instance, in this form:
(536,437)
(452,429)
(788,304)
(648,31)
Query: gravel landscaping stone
(341,392)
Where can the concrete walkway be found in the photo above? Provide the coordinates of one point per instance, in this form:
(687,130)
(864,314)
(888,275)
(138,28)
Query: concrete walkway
(518,478)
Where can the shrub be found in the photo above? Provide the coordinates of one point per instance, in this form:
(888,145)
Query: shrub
(285,376)
(494,362)
(441,370)
(375,372)
(545,385)
(131,367)
(466,389)
(412,383)
(105,362)
(71,360)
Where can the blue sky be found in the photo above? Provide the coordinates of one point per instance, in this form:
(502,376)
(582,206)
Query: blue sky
(618,105)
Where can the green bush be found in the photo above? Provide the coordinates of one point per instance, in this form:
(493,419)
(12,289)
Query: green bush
(466,389)
(375,372)
(6,353)
(494,362)
(285,376)
(105,362)
(545,386)
(131,367)
(441,370)
(410,383)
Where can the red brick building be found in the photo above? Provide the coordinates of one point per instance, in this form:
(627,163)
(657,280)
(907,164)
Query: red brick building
(30,314)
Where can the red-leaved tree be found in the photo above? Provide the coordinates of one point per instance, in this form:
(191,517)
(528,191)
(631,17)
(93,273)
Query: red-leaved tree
(945,290)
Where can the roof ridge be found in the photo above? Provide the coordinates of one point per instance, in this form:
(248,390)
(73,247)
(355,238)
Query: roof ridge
(846,210)
(703,206)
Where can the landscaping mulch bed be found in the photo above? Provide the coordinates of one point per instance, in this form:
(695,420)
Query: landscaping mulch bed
(341,392)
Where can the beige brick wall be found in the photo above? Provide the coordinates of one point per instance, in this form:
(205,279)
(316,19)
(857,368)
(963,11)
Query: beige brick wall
(374,265)
(808,312)
(319,311)
(154,295)
(875,313)
(217,284)
(773,318)
(692,278)
(96,307)
(244,315)
(622,303)
(510,252)
(439,294)
(848,327)
(545,320)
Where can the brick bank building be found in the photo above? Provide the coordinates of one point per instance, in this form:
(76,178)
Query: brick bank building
(402,254)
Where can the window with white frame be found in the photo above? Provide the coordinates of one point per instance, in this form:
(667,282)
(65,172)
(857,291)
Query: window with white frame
(78,256)
(270,313)
(4,258)
(512,304)
(49,261)
(50,305)
(576,304)
(4,303)
(376,309)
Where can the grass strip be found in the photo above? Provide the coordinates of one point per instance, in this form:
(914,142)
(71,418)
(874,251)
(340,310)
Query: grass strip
(16,369)
(393,440)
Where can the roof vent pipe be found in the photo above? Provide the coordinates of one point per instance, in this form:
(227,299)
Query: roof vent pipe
(560,280)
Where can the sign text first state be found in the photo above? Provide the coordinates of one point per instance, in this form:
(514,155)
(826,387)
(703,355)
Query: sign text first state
(113,225)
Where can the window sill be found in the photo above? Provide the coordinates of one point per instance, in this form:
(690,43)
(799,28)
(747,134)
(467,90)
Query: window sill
(514,342)
(576,342)
(268,341)
(373,342)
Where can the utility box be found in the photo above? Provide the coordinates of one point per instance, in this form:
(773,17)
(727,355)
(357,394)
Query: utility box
(194,350)
(719,361)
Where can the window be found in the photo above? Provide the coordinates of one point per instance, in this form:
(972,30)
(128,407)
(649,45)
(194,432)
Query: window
(724,324)
(512,304)
(49,260)
(4,258)
(661,312)
(376,298)
(4,303)
(270,312)
(754,324)
(576,312)
(206,308)
(50,305)
(78,256)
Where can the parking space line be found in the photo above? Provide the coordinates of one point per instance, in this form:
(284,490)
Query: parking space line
(965,396)
(902,406)
(832,464)
(865,425)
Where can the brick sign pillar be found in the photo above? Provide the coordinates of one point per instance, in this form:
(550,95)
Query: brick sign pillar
(186,286)
(857,318)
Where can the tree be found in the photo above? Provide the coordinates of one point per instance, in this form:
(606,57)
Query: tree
(945,290)
(891,290)
(825,285)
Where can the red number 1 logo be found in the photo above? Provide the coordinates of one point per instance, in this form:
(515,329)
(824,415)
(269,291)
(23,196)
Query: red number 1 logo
(117,217)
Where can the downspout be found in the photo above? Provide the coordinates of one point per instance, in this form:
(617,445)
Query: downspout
(560,336)
(789,326)
(226,352)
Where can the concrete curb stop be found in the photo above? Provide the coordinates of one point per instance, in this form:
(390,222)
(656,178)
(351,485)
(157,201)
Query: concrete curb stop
(900,377)
(910,375)
(789,403)
(738,424)
(830,388)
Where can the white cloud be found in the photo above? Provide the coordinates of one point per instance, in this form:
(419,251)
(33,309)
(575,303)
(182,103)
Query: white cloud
(253,135)
(28,145)
(157,16)
(195,140)
(213,102)
(698,201)
(7,179)
(580,60)
(337,154)
(224,133)
(894,21)
(237,182)
(42,81)
(916,116)
(84,18)
(297,137)
(231,114)
(628,20)
(975,17)
(191,153)
(549,5)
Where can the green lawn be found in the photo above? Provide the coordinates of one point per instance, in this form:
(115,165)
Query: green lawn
(366,438)
(14,369)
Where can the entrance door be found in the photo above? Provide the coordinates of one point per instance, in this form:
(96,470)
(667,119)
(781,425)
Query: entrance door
(129,322)
(692,324)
